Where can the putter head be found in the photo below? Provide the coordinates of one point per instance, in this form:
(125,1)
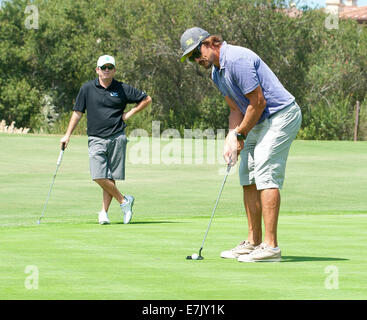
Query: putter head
(190,258)
(200,257)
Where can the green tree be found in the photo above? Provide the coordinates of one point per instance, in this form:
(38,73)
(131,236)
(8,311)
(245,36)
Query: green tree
(42,70)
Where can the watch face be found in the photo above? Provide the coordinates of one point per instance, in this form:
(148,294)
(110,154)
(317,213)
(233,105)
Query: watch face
(240,136)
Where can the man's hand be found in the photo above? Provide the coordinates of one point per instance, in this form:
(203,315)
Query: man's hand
(64,141)
(125,116)
(231,148)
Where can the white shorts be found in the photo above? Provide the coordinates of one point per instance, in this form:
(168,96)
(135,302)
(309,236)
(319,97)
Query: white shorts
(265,153)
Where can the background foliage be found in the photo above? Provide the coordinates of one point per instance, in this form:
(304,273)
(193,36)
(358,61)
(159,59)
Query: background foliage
(41,70)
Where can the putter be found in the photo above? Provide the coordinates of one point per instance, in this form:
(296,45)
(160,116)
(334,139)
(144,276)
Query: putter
(53,180)
(200,257)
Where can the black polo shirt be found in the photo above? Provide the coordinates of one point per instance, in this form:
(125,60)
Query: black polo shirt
(105,106)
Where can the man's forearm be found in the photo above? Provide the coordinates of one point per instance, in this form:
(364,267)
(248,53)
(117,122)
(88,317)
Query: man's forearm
(250,119)
(139,107)
(253,112)
(235,115)
(234,120)
(75,117)
(74,120)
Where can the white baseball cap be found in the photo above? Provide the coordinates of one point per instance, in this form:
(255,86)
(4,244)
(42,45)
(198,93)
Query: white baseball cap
(106,59)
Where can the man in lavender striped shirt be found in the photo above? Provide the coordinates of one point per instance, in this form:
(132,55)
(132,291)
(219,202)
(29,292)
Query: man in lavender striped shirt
(264,120)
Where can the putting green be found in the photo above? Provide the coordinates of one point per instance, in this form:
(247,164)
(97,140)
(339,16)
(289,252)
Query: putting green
(321,228)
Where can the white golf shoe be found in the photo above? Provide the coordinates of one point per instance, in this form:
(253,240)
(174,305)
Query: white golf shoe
(262,253)
(127,208)
(103,217)
(244,248)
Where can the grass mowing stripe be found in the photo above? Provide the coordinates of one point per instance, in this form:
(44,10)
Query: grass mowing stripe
(322,224)
(137,262)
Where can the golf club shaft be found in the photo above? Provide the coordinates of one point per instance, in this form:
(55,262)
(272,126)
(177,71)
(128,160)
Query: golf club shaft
(215,207)
(48,196)
(53,181)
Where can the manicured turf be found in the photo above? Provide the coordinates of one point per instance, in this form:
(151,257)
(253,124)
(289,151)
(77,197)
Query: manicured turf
(322,227)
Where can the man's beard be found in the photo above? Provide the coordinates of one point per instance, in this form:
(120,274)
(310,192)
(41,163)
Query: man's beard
(206,63)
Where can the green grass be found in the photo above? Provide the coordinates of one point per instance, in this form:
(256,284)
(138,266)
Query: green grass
(322,223)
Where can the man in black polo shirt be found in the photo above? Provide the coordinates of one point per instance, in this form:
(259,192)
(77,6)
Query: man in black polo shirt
(105,100)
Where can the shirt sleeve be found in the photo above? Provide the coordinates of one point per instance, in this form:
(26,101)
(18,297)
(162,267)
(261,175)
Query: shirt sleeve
(244,74)
(133,95)
(81,100)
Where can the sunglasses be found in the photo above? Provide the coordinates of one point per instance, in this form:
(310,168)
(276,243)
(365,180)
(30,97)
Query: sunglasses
(107,67)
(196,53)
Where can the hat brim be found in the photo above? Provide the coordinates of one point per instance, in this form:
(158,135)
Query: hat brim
(105,64)
(184,56)
(192,48)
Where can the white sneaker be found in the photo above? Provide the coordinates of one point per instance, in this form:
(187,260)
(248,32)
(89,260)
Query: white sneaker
(244,248)
(262,253)
(127,208)
(103,218)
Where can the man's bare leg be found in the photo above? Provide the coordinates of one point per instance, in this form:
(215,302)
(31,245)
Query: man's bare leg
(270,202)
(109,191)
(107,198)
(253,208)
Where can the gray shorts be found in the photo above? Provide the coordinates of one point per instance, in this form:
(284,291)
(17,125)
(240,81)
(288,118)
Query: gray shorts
(107,156)
(265,153)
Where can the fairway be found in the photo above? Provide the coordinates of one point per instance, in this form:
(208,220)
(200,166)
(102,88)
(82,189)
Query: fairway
(322,227)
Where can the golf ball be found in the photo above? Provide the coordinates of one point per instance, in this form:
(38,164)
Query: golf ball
(194,256)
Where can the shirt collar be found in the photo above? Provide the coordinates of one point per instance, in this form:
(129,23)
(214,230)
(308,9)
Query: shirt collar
(110,86)
(222,56)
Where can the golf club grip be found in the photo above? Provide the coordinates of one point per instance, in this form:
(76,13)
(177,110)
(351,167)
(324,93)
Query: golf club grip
(60,157)
(63,146)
